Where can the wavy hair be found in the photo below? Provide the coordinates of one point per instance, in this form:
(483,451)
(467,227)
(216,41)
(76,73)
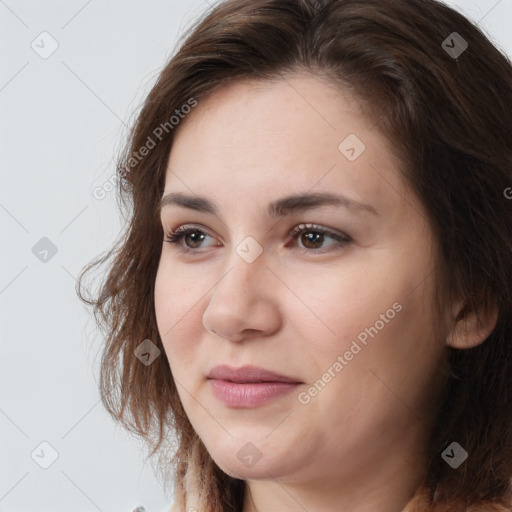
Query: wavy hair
(448,117)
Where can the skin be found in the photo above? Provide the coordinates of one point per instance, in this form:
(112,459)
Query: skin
(359,444)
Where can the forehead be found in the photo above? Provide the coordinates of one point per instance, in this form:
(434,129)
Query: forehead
(286,134)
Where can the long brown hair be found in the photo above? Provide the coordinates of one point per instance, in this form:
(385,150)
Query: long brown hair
(444,101)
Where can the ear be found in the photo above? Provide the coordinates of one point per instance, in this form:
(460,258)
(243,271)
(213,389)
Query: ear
(470,329)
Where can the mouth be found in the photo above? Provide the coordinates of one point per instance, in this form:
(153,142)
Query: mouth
(249,386)
(248,374)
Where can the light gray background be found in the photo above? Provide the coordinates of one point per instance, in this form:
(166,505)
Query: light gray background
(62,119)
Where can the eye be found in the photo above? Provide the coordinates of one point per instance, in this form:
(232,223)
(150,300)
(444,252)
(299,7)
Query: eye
(313,241)
(315,236)
(186,232)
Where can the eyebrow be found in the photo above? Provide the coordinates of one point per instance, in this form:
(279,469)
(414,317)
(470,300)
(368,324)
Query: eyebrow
(278,208)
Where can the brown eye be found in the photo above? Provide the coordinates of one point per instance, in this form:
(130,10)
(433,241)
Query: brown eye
(192,236)
(189,238)
(313,236)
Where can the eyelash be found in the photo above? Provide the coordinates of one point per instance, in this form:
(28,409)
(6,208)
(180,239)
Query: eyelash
(176,236)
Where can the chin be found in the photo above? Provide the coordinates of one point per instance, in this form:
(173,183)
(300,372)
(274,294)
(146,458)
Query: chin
(239,471)
(248,463)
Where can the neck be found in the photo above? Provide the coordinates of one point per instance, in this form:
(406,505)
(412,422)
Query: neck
(402,490)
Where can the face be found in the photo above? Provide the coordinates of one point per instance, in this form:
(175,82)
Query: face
(334,296)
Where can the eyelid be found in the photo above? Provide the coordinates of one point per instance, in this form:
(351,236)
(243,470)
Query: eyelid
(303,226)
(190,227)
(296,229)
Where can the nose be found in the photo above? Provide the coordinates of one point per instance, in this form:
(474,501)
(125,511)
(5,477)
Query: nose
(242,304)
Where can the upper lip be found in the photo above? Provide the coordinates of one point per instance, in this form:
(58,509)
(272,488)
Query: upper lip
(247,373)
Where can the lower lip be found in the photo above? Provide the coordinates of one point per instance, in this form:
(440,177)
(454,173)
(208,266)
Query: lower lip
(249,394)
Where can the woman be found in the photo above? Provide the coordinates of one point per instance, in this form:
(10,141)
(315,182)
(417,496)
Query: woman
(313,293)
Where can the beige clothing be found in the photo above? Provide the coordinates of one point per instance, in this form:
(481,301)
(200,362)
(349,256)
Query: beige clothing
(413,506)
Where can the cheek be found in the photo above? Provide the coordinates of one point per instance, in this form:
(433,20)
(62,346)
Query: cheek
(177,294)
(338,305)
(177,304)
(372,306)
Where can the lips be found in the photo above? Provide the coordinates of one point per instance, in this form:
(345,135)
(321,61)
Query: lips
(249,386)
(248,374)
